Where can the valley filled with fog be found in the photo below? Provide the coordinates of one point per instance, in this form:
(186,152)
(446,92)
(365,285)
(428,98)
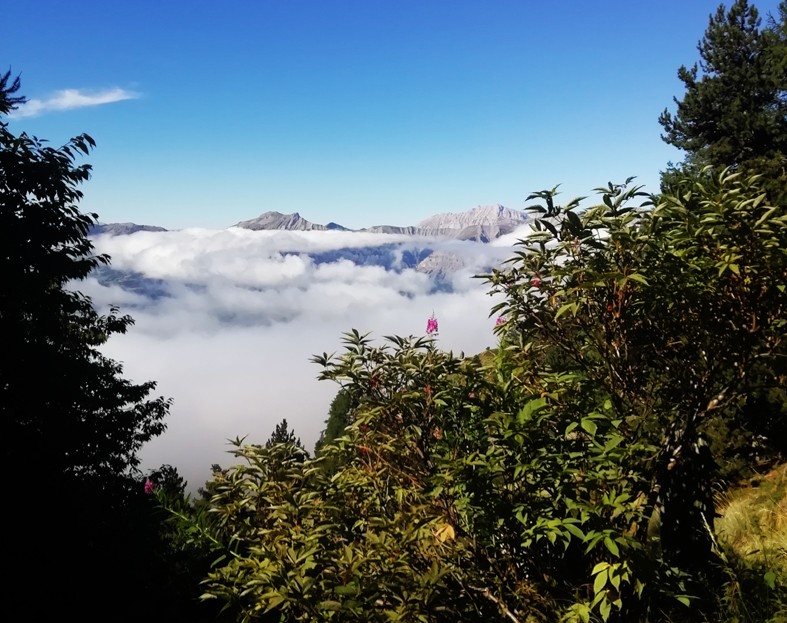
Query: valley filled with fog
(227,321)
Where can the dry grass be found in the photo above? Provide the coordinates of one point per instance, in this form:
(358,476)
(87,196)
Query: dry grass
(753,522)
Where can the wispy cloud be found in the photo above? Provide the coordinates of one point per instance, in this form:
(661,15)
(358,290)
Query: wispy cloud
(69,99)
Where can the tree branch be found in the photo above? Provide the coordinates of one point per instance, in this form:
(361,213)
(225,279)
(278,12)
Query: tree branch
(497,601)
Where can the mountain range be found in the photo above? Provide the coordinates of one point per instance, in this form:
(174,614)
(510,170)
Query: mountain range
(430,246)
(482,224)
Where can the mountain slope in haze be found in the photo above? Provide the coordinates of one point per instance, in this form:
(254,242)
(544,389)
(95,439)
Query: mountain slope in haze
(435,247)
(482,224)
(120,229)
(289,222)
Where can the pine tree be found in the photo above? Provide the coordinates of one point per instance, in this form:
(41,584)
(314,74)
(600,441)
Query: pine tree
(283,434)
(734,110)
(338,419)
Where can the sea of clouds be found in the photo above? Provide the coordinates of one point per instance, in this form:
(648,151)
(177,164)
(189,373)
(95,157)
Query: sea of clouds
(227,321)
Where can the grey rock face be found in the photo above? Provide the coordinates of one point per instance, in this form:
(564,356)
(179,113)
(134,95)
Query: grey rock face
(482,224)
(392,229)
(121,229)
(440,264)
(291,222)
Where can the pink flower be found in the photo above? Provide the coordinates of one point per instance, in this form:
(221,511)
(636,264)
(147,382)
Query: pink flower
(431,325)
(500,320)
(536,281)
(149,486)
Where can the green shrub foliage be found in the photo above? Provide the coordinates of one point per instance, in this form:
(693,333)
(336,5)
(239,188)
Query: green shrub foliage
(566,476)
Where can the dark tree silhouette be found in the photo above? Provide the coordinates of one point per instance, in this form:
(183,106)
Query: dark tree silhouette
(71,424)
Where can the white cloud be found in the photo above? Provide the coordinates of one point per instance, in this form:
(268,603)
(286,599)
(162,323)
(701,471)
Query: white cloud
(229,329)
(511,239)
(68,99)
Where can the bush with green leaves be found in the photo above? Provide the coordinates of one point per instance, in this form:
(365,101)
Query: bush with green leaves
(566,478)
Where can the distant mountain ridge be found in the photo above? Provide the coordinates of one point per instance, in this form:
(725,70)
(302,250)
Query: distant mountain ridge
(120,229)
(482,223)
(288,222)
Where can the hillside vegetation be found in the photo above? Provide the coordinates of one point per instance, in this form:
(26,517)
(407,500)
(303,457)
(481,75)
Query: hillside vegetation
(568,476)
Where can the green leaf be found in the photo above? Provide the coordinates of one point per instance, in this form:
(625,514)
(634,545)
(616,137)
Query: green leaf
(638,277)
(601,581)
(589,426)
(770,579)
(565,308)
(530,408)
(613,441)
(346,589)
(600,567)
(604,609)
(575,530)
(612,546)
(274,601)
(550,227)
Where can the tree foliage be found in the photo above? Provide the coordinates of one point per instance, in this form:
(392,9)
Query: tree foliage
(61,398)
(283,434)
(70,422)
(338,419)
(568,478)
(734,109)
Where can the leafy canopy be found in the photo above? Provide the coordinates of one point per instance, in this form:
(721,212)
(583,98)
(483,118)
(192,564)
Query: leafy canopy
(567,478)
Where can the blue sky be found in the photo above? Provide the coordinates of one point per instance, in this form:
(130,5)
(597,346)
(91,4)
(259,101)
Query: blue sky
(360,112)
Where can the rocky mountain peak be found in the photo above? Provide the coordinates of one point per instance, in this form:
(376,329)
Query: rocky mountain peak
(482,223)
(277,220)
(483,215)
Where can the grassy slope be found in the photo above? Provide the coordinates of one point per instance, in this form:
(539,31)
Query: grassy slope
(752,535)
(753,522)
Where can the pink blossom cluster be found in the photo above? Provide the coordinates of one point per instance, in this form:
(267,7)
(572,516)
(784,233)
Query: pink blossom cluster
(431,325)
(149,486)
